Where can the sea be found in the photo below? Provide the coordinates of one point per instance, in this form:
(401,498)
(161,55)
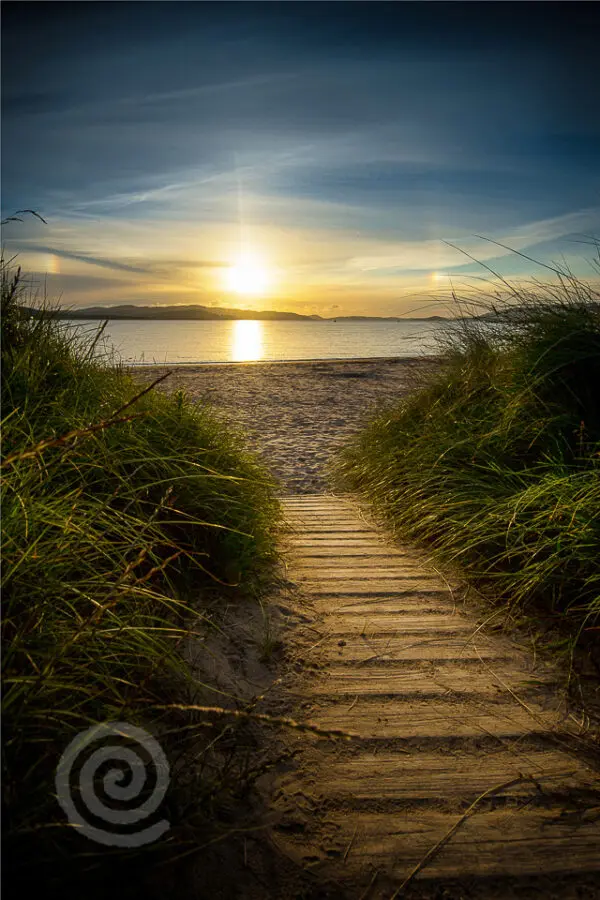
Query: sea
(176,342)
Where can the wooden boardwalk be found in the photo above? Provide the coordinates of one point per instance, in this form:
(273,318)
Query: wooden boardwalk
(460,769)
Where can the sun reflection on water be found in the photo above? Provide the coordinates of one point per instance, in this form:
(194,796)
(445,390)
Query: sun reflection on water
(247,340)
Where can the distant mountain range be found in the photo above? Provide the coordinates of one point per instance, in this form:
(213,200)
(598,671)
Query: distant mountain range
(129,311)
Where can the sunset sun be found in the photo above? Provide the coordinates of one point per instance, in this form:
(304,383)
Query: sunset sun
(248,275)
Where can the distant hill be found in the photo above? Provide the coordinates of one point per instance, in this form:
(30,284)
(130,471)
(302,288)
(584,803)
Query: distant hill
(131,311)
(206,313)
(387,319)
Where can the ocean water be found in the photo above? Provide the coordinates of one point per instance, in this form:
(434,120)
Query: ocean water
(148,342)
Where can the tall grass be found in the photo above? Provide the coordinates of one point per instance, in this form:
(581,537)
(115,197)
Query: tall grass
(495,465)
(124,511)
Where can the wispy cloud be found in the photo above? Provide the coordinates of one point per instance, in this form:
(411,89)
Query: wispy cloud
(80,257)
(436,254)
(164,266)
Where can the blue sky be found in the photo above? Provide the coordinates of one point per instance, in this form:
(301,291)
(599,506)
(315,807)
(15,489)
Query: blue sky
(338,146)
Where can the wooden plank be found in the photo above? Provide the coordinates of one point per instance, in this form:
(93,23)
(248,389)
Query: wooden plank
(319,499)
(405,624)
(311,511)
(296,499)
(421,775)
(360,569)
(343,681)
(340,531)
(384,567)
(306,553)
(371,556)
(332,518)
(329,524)
(373,587)
(325,540)
(301,509)
(431,601)
(408,603)
(396,648)
(307,515)
(489,843)
(414,718)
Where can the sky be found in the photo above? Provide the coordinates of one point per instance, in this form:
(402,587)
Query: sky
(317,157)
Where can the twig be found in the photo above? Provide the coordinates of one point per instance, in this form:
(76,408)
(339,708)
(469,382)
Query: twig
(348,848)
(565,745)
(366,893)
(444,840)
(262,717)
(114,419)
(64,439)
(478,629)
(146,390)
(448,585)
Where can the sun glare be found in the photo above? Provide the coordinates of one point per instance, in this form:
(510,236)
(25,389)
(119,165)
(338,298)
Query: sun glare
(248,275)
(247,340)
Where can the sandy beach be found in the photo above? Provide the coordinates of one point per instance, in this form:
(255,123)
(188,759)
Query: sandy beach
(297,414)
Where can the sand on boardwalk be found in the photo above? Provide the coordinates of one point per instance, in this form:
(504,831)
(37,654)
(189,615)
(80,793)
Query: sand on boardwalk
(297,414)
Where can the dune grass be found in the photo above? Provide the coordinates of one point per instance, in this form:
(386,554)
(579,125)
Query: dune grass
(124,511)
(494,466)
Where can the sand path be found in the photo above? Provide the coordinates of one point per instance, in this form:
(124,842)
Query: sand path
(463,778)
(296,414)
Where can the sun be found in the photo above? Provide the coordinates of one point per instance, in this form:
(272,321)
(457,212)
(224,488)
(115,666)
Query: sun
(248,275)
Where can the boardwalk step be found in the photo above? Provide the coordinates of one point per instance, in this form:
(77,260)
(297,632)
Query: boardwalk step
(345,682)
(442,715)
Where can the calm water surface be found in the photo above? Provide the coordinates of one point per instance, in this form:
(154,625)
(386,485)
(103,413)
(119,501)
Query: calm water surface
(173,342)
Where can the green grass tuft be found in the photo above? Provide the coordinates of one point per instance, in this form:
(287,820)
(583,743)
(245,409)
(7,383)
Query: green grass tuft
(124,512)
(495,465)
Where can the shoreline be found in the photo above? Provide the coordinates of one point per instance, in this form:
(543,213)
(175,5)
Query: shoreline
(296,414)
(285,362)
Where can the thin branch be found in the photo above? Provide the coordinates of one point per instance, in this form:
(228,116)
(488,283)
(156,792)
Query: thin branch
(76,433)
(444,840)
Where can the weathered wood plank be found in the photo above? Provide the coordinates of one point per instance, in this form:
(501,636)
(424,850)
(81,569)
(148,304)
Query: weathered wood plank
(422,775)
(359,569)
(407,603)
(299,547)
(340,681)
(307,552)
(414,718)
(387,623)
(298,510)
(324,519)
(341,528)
(374,587)
(489,843)
(359,649)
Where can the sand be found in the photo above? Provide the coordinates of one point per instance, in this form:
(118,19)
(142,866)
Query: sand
(297,414)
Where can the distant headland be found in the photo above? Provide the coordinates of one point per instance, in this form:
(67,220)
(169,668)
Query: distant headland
(130,311)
